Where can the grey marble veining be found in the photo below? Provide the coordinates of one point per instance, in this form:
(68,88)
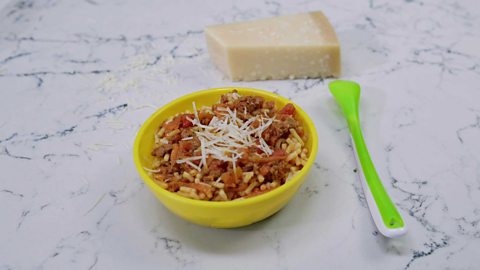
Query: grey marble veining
(78,78)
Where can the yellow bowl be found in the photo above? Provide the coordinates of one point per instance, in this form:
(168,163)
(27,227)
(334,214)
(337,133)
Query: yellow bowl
(220,214)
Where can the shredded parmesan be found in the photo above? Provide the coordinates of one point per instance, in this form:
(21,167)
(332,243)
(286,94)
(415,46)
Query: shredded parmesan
(225,136)
(150,170)
(193,165)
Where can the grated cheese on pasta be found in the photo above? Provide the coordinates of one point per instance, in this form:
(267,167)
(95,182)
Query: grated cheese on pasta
(224,138)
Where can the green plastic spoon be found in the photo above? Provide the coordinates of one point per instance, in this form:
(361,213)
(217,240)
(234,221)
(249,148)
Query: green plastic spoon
(384,213)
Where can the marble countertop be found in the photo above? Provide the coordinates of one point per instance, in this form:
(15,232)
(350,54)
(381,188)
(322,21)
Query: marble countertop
(78,78)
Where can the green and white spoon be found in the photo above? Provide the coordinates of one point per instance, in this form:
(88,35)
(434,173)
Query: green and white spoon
(384,213)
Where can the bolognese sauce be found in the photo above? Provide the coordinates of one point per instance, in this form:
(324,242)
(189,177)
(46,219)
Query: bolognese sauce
(241,147)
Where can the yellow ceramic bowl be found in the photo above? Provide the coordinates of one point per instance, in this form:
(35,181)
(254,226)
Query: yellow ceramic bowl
(220,214)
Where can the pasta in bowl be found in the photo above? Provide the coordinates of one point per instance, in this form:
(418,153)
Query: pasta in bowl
(226,157)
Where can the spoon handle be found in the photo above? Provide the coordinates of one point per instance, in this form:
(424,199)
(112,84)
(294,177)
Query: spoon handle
(384,213)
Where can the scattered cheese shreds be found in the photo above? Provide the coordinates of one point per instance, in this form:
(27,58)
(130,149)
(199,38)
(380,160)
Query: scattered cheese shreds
(225,137)
(150,170)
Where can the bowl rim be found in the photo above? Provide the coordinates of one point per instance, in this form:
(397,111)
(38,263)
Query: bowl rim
(249,201)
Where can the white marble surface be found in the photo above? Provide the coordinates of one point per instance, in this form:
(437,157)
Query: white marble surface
(77,79)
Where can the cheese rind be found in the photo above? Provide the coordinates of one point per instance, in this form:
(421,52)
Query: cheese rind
(296,46)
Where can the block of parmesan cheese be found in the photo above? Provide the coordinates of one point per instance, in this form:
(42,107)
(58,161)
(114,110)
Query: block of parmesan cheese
(286,47)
